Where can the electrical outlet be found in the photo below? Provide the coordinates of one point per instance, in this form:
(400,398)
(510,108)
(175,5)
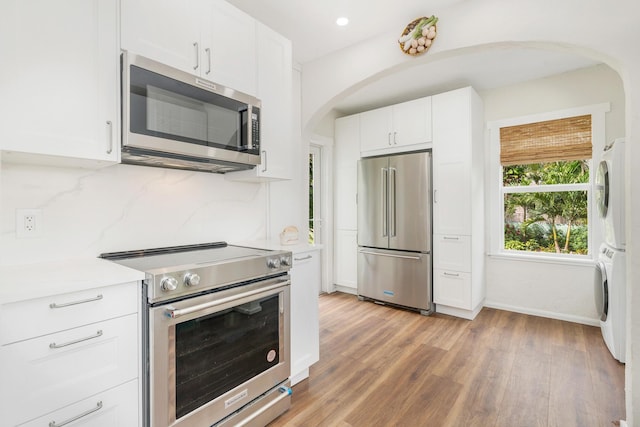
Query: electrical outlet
(28,223)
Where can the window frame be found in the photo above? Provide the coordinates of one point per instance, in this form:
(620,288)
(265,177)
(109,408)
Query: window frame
(497,190)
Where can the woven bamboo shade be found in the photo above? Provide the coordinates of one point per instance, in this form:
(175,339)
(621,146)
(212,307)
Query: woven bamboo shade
(550,141)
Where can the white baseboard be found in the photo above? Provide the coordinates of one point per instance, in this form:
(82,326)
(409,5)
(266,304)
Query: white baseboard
(458,312)
(542,313)
(346,289)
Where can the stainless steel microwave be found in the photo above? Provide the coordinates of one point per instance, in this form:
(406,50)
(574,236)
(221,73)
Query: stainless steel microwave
(174,119)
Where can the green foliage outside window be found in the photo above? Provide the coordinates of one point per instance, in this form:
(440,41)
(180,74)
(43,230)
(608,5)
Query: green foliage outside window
(546,221)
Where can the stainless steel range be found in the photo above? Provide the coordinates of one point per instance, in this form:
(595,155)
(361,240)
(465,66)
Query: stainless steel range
(216,335)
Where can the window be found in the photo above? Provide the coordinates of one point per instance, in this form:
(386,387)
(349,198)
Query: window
(545,186)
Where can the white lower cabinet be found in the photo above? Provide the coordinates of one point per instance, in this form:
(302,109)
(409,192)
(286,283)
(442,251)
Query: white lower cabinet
(72,351)
(346,264)
(117,407)
(452,252)
(305,329)
(452,288)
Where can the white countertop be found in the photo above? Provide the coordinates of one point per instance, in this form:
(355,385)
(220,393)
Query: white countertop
(274,245)
(29,281)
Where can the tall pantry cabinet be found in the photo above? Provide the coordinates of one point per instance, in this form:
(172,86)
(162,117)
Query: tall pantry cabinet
(346,156)
(458,203)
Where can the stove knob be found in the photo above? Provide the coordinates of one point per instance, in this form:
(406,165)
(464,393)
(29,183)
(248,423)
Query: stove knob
(273,263)
(191,279)
(168,284)
(286,261)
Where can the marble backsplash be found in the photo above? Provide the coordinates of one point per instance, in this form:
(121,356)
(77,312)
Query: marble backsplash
(121,207)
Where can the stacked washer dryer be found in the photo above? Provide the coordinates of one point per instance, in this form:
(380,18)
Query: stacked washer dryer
(610,282)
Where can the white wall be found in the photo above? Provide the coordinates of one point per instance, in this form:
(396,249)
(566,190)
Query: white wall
(563,291)
(467,27)
(87,212)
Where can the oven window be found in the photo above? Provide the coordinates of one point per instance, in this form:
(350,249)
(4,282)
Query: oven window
(218,352)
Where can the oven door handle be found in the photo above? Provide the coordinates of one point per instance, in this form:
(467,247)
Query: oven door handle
(175,313)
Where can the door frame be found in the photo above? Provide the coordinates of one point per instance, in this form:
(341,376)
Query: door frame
(325,144)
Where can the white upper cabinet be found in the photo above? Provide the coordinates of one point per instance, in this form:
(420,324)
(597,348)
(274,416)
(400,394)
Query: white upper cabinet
(208,38)
(275,86)
(376,127)
(230,48)
(400,127)
(59,82)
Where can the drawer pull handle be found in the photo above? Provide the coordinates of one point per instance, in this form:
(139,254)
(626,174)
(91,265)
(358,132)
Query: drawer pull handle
(67,304)
(77,417)
(451,238)
(54,345)
(303,258)
(451,274)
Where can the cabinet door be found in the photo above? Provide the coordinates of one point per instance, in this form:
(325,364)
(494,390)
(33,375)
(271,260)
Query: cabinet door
(452,288)
(376,129)
(55,370)
(346,155)
(117,407)
(59,78)
(305,285)
(229,48)
(452,252)
(346,259)
(164,30)
(452,163)
(275,85)
(412,122)
(451,198)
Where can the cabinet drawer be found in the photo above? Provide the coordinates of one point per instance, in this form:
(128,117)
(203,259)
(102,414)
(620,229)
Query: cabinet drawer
(117,407)
(452,252)
(28,319)
(56,370)
(452,288)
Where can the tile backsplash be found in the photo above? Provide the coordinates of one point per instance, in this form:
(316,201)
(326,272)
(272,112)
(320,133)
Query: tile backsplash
(87,212)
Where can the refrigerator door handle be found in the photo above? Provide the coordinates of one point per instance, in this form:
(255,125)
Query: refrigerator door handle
(392,202)
(416,257)
(385,201)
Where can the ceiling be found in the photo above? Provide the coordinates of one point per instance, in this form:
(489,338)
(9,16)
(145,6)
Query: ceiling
(310,25)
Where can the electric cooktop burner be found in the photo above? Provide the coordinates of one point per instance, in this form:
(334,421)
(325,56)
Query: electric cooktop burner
(177,271)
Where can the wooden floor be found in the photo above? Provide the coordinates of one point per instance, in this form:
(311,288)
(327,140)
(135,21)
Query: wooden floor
(381,366)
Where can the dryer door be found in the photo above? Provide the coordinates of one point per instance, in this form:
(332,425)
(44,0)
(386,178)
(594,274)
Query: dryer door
(602,189)
(601,291)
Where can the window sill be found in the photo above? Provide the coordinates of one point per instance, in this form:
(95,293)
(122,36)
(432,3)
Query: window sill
(585,260)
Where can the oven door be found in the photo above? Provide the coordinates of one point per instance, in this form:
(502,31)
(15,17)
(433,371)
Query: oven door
(211,355)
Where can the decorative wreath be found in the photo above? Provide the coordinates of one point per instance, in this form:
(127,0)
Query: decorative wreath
(418,36)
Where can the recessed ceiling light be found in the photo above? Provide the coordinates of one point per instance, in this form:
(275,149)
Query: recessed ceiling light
(342,21)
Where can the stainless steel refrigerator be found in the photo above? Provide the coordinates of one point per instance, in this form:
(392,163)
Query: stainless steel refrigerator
(394,230)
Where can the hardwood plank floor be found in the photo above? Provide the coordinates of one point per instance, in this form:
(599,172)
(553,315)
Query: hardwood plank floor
(383,366)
